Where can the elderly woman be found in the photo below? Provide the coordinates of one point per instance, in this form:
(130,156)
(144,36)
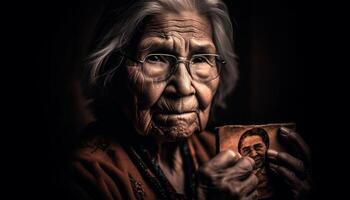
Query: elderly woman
(155,74)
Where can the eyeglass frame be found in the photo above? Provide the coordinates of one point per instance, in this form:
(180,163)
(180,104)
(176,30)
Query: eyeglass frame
(178,61)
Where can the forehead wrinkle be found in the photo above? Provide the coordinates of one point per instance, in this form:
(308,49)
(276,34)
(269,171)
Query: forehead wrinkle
(151,41)
(179,43)
(187,26)
(164,32)
(157,44)
(163,23)
(174,42)
(183,34)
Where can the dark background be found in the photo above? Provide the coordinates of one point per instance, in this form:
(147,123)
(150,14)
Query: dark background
(280,80)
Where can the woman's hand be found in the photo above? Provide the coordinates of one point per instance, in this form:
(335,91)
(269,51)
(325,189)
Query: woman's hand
(292,167)
(227,176)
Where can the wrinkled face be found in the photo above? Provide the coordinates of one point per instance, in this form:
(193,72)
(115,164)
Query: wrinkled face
(174,108)
(254,147)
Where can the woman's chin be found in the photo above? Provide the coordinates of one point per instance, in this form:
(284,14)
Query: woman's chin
(175,132)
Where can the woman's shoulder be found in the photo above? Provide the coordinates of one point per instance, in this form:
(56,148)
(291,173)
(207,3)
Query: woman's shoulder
(96,145)
(101,168)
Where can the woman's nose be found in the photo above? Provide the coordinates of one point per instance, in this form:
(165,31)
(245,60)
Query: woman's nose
(182,81)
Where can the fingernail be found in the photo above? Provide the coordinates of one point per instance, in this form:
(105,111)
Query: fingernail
(272,153)
(284,131)
(239,155)
(234,154)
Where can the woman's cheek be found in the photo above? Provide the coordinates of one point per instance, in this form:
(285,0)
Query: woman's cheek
(204,117)
(205,94)
(145,94)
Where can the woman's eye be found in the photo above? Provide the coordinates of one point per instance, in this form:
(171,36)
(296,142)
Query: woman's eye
(154,58)
(199,60)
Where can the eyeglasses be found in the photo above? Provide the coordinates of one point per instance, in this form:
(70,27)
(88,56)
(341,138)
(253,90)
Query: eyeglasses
(159,67)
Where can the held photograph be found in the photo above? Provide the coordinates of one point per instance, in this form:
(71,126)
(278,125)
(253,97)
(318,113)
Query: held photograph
(255,141)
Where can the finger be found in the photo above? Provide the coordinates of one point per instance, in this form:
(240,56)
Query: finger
(240,171)
(300,188)
(225,159)
(249,185)
(289,161)
(289,177)
(296,141)
(245,165)
(252,196)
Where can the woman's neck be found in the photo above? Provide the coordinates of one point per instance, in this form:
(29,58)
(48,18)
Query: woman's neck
(169,154)
(170,161)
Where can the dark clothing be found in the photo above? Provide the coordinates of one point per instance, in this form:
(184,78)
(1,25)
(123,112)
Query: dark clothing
(105,168)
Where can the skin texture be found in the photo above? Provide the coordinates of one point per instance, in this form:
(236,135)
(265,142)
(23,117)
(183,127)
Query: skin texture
(173,109)
(227,176)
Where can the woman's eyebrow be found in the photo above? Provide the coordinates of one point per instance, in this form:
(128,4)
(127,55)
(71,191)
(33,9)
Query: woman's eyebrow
(161,49)
(202,48)
(156,47)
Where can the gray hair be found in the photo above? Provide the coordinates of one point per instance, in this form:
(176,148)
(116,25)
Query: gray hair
(123,28)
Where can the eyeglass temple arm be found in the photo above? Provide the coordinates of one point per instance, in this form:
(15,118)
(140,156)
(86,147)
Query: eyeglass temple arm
(222,61)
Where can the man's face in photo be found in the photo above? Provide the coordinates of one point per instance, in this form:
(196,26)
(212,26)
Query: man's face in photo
(254,147)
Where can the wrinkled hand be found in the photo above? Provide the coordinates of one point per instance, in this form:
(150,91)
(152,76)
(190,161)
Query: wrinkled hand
(227,176)
(293,169)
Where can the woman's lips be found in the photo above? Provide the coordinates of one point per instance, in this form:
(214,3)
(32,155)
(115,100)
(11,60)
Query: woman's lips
(175,112)
(168,106)
(174,118)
